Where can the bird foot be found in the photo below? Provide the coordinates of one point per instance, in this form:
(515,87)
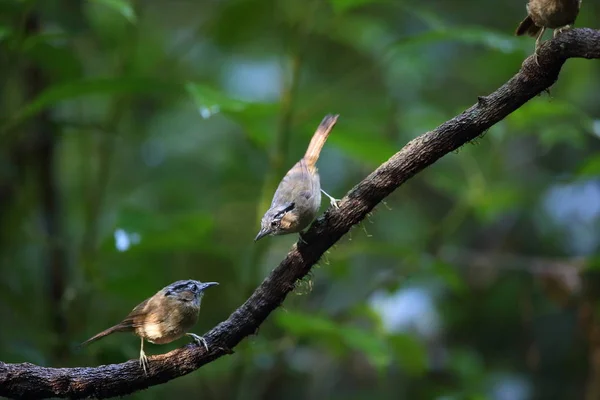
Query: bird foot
(226,350)
(144,362)
(560,30)
(199,340)
(538,45)
(334,202)
(301,238)
(536,54)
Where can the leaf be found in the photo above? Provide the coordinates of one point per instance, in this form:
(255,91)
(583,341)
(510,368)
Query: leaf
(592,264)
(496,41)
(341,6)
(374,37)
(373,346)
(538,112)
(449,275)
(553,121)
(208,99)
(45,38)
(322,328)
(467,364)
(4,32)
(305,325)
(79,88)
(356,143)
(150,231)
(251,115)
(495,200)
(564,132)
(59,62)
(590,168)
(430,19)
(411,354)
(122,7)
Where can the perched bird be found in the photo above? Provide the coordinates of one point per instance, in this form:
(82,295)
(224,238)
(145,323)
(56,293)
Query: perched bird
(298,197)
(164,317)
(554,14)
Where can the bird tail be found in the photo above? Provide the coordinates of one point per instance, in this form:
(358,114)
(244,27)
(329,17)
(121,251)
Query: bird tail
(527,26)
(318,140)
(112,329)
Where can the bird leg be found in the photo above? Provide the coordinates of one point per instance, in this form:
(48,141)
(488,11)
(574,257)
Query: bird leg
(560,30)
(334,202)
(143,359)
(301,237)
(198,339)
(538,44)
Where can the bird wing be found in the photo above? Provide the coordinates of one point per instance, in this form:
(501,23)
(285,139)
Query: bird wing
(136,317)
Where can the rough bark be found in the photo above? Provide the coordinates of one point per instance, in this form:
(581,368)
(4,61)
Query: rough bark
(31,381)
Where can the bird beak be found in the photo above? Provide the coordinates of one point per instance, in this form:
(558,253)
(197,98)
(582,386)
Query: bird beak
(263,232)
(205,285)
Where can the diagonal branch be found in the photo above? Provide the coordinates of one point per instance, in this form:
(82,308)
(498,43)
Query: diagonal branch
(31,381)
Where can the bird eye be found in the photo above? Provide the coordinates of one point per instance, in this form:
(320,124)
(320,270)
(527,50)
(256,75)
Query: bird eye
(274,224)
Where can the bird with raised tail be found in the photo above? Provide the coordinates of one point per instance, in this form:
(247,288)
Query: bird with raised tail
(298,197)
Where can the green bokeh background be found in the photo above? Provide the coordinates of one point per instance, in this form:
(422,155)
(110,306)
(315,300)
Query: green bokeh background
(141,142)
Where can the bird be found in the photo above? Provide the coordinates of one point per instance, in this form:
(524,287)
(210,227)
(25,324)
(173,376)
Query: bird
(297,199)
(164,317)
(559,15)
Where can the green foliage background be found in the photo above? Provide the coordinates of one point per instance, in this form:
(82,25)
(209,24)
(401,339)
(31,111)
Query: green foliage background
(141,141)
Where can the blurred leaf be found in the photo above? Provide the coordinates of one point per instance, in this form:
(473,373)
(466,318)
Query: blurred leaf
(369,343)
(306,325)
(60,63)
(122,7)
(4,32)
(210,101)
(362,145)
(553,121)
(496,41)
(450,276)
(411,354)
(55,38)
(373,38)
(562,133)
(540,112)
(145,230)
(73,89)
(467,364)
(251,115)
(495,200)
(321,328)
(341,6)
(590,167)
(432,20)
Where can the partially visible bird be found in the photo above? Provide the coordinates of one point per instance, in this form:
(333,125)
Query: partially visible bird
(559,15)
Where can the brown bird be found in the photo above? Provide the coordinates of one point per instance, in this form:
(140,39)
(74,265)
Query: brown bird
(164,317)
(554,14)
(298,197)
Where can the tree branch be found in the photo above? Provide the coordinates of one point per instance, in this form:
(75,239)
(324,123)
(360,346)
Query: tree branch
(31,381)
